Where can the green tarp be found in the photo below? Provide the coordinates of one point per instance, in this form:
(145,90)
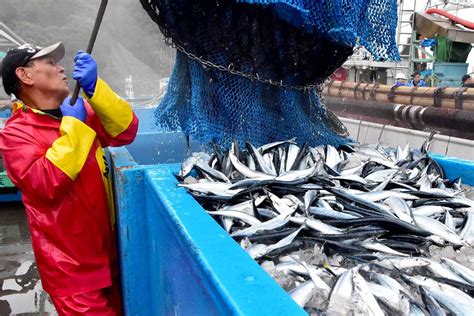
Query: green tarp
(449,51)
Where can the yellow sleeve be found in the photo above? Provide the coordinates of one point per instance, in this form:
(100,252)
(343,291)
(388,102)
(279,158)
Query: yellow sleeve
(69,152)
(114,113)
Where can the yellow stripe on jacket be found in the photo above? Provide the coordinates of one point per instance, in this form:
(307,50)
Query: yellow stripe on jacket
(69,152)
(106,178)
(114,113)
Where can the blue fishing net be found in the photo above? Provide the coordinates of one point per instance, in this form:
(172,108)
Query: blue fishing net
(248,70)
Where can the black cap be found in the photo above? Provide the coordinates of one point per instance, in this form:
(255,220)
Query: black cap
(20,56)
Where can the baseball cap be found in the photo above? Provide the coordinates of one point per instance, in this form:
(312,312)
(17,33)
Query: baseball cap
(20,56)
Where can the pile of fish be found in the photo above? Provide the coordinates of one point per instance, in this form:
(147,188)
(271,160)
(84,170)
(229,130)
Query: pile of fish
(345,231)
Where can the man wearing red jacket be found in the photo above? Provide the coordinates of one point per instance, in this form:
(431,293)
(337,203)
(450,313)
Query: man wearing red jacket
(53,152)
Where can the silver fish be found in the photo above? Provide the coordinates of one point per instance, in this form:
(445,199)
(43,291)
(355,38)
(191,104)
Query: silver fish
(214,188)
(376,246)
(246,171)
(390,298)
(467,233)
(281,220)
(400,208)
(317,225)
(330,213)
(431,304)
(259,250)
(291,155)
(456,301)
(293,175)
(380,176)
(462,271)
(212,172)
(245,207)
(260,161)
(443,272)
(438,229)
(303,293)
(270,146)
(401,263)
(332,157)
(309,197)
(449,221)
(238,215)
(376,196)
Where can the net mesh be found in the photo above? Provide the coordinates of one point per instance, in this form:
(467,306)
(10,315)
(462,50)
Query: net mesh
(246,70)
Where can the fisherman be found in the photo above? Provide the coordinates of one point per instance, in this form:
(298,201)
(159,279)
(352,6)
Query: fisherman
(53,152)
(417,81)
(467,81)
(401,80)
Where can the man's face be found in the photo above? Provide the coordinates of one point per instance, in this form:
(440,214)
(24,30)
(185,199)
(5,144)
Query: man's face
(48,77)
(416,78)
(401,80)
(468,80)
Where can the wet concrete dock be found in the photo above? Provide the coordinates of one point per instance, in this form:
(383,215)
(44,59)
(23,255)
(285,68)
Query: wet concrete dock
(20,286)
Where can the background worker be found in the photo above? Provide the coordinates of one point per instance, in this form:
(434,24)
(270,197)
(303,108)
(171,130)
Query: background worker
(467,81)
(53,153)
(401,80)
(417,81)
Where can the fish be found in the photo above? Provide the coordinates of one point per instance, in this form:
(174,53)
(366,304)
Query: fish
(352,292)
(376,246)
(276,222)
(363,217)
(431,304)
(259,250)
(261,164)
(238,215)
(467,232)
(438,229)
(390,298)
(460,270)
(303,293)
(246,171)
(376,196)
(211,172)
(400,208)
(317,225)
(321,212)
(455,301)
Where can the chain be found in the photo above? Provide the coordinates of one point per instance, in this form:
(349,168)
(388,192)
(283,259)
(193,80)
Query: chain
(230,69)
(335,123)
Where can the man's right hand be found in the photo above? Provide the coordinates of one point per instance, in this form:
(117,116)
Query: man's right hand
(77,110)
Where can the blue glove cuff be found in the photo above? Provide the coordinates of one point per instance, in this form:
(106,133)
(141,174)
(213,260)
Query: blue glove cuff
(77,110)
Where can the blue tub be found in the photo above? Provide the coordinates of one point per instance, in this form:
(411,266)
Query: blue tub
(175,259)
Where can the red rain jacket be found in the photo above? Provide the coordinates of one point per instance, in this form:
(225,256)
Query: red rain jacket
(61,170)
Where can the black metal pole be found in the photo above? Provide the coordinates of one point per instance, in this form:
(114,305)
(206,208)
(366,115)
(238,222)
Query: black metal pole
(451,119)
(95,30)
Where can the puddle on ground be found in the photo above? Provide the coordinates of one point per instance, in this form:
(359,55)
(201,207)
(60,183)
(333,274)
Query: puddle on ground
(21,292)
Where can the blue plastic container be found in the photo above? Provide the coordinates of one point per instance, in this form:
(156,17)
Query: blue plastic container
(175,259)
(449,74)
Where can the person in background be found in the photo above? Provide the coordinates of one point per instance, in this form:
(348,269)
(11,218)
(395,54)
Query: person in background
(417,81)
(53,152)
(401,80)
(467,81)
(5,109)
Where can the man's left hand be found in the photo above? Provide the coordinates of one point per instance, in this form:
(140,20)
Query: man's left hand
(85,71)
